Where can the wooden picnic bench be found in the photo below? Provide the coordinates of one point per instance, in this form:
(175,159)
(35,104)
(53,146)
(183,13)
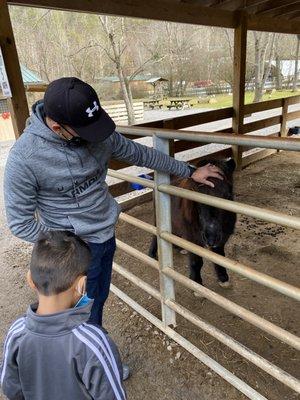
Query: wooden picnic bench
(178,102)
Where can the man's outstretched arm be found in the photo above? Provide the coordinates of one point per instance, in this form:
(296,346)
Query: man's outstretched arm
(144,156)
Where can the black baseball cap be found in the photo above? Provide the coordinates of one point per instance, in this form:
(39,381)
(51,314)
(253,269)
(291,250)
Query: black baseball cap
(72,102)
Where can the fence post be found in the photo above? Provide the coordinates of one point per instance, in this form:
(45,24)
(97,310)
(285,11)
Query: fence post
(238,95)
(163,223)
(169,124)
(283,128)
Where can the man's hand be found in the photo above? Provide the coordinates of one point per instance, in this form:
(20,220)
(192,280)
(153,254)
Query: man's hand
(202,174)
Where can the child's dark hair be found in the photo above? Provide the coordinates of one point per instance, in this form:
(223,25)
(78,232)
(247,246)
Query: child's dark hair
(58,258)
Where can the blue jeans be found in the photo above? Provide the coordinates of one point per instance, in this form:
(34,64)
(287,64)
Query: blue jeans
(99,276)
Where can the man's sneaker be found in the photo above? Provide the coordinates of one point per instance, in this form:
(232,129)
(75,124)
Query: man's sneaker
(126,372)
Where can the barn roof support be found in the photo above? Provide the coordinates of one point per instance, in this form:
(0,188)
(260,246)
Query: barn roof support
(238,95)
(18,102)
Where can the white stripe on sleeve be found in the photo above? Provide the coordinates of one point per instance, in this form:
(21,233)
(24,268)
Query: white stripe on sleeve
(104,338)
(119,395)
(110,356)
(15,325)
(14,333)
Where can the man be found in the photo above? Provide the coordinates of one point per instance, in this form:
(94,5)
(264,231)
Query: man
(55,176)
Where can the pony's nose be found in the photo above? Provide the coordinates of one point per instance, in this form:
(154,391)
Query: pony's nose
(211,237)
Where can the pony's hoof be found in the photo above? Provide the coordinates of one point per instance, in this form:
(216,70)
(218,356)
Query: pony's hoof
(225,285)
(184,252)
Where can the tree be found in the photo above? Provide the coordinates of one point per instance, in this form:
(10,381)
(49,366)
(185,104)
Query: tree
(296,65)
(121,43)
(264,46)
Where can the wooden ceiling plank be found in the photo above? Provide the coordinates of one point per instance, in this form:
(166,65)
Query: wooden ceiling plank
(270,5)
(230,5)
(162,11)
(293,16)
(253,3)
(267,24)
(283,10)
(151,9)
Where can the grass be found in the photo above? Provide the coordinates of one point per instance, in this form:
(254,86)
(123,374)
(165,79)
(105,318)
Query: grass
(225,100)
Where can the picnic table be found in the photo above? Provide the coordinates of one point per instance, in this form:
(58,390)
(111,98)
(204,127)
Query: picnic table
(172,102)
(178,103)
(152,104)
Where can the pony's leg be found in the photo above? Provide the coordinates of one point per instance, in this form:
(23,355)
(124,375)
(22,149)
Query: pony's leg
(195,264)
(221,272)
(153,248)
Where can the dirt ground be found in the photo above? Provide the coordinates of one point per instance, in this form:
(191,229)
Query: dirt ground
(160,368)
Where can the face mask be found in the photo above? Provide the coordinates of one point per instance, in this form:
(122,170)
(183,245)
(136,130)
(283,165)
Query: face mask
(75,140)
(84,300)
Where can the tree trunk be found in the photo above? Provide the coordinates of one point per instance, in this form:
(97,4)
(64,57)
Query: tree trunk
(278,74)
(127,97)
(261,72)
(257,87)
(126,92)
(296,65)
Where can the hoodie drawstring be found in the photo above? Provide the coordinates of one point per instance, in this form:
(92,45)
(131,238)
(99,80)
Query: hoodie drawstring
(72,177)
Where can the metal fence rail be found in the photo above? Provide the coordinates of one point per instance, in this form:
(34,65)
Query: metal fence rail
(167,275)
(248,354)
(268,142)
(194,350)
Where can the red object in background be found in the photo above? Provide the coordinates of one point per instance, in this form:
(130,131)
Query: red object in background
(6,115)
(204,83)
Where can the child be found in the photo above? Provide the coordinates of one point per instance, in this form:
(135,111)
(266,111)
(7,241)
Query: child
(52,353)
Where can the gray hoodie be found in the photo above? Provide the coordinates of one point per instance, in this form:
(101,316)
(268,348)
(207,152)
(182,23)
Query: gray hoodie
(60,357)
(65,185)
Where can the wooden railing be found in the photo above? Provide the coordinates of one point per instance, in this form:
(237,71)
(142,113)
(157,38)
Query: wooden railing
(201,118)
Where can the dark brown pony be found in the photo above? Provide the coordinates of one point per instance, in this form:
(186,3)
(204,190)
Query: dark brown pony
(204,225)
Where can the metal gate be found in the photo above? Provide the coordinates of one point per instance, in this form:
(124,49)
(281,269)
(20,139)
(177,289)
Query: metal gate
(168,275)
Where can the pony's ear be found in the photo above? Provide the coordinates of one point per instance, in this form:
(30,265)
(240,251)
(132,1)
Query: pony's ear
(187,207)
(231,165)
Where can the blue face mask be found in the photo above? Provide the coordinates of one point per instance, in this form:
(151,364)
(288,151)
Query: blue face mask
(84,300)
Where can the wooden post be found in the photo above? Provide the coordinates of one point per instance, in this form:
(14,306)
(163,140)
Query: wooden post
(239,71)
(18,103)
(169,124)
(283,127)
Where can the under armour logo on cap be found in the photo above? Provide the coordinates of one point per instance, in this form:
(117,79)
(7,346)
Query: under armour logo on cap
(90,110)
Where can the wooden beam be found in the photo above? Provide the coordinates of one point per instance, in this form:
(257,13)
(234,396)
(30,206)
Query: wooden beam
(293,16)
(282,10)
(293,115)
(238,94)
(230,5)
(249,4)
(190,13)
(262,123)
(41,87)
(200,118)
(18,103)
(268,24)
(262,106)
(164,10)
(268,5)
(259,155)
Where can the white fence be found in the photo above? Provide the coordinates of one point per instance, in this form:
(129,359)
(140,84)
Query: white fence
(118,112)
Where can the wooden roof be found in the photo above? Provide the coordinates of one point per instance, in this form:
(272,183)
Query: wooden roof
(262,15)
